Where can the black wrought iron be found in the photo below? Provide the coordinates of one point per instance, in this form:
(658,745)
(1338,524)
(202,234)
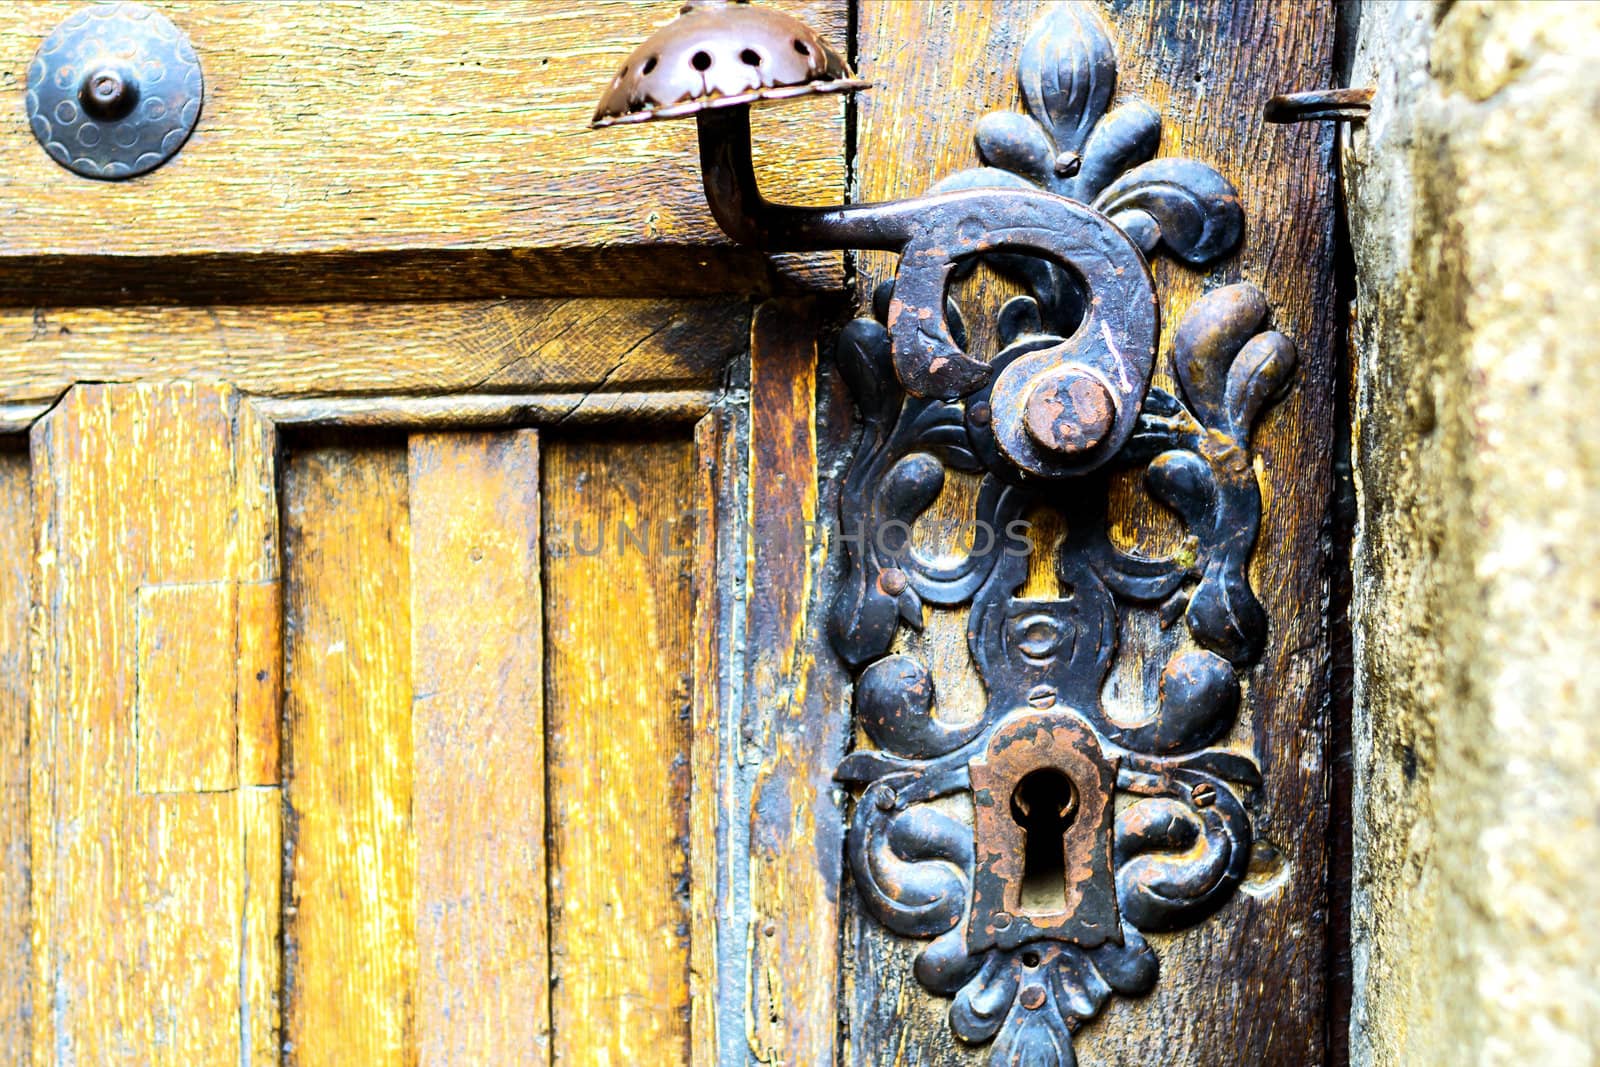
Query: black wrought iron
(114,91)
(1071,200)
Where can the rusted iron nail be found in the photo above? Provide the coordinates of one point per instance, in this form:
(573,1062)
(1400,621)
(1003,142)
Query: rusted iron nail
(1033,997)
(1203,795)
(892,581)
(771,930)
(1339,105)
(887,800)
(108,93)
(1002,920)
(1042,696)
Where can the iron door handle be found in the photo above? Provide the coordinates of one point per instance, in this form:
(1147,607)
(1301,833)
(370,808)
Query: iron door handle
(1072,200)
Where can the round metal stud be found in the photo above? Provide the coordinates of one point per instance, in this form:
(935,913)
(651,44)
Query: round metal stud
(1069,412)
(893,581)
(114,91)
(721,54)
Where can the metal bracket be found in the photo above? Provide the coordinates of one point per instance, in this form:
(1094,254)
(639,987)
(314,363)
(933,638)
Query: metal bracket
(1089,829)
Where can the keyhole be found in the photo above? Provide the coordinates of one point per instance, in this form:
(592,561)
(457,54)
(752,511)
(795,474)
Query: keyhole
(1044,804)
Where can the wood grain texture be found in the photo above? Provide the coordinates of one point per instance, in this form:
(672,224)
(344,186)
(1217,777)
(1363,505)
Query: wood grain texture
(350,906)
(618,694)
(722,769)
(483,974)
(397,149)
(504,347)
(261,927)
(137,900)
(794,711)
(186,701)
(460,411)
(1246,986)
(16,561)
(258,687)
(709,893)
(19,418)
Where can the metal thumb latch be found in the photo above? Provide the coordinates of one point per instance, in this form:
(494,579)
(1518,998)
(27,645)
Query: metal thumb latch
(1087,830)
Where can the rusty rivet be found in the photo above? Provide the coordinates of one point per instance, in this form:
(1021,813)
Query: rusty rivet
(770,930)
(979,413)
(892,581)
(1042,696)
(1203,795)
(1068,164)
(1002,920)
(108,93)
(886,800)
(1033,997)
(1069,412)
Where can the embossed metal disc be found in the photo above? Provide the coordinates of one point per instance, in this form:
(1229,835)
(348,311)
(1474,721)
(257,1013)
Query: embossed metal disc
(722,53)
(114,91)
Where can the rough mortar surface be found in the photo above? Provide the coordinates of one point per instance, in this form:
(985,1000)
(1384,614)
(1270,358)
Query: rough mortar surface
(1474,202)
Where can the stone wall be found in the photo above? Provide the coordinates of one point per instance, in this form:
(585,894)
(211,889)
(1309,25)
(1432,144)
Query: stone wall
(1474,205)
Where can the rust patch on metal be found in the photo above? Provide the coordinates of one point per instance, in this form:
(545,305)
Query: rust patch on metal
(1028,742)
(1069,413)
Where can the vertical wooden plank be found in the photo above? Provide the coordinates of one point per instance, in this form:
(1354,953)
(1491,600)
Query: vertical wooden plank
(478,745)
(137,899)
(795,715)
(16,555)
(617,553)
(260,680)
(261,927)
(258,707)
(349,930)
(707,758)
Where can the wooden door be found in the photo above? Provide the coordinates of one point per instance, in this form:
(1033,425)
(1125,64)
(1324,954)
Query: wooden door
(420,523)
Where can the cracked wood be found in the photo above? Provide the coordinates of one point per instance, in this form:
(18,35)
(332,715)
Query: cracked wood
(503,347)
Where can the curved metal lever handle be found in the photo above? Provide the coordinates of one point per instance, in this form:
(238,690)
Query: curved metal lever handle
(1062,410)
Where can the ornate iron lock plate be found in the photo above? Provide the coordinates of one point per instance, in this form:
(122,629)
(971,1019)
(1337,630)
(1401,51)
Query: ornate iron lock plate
(1088,828)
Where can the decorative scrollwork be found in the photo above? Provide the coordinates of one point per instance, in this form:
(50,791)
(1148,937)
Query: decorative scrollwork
(1023,974)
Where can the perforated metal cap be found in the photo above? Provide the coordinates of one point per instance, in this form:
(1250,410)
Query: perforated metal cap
(720,54)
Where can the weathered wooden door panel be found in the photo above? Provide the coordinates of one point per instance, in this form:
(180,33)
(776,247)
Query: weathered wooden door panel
(16,564)
(152,741)
(396,851)
(420,150)
(456,662)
